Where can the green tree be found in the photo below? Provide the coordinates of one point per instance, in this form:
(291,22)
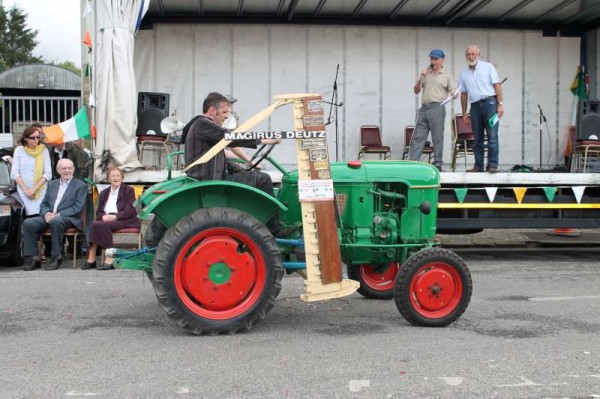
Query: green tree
(16,40)
(70,66)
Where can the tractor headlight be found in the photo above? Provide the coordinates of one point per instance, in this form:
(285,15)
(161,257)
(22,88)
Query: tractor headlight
(4,210)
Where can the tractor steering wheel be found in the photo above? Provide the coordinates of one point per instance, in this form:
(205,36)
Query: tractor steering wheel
(260,156)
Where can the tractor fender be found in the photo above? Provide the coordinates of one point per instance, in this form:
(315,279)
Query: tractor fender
(172,205)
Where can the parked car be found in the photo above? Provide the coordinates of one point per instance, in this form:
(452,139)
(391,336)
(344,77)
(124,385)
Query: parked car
(11,219)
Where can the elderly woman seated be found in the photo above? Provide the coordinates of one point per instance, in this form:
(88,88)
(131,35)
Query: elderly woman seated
(115,212)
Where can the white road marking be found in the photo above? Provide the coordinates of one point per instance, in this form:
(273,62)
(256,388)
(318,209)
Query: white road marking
(562,298)
(183,390)
(525,383)
(75,393)
(455,381)
(358,385)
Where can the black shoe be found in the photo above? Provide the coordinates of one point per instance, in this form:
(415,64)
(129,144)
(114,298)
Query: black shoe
(54,264)
(31,263)
(88,265)
(106,266)
(492,169)
(475,169)
(439,168)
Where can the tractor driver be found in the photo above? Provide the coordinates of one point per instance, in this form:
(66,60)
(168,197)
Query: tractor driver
(205,132)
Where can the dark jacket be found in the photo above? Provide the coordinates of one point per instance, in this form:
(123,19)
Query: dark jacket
(74,153)
(125,199)
(202,136)
(71,204)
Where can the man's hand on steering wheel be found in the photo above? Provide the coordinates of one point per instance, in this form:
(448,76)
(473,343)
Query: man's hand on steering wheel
(263,152)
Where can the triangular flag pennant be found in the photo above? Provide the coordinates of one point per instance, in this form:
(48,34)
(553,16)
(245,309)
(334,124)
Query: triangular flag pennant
(578,191)
(461,193)
(520,193)
(87,40)
(550,193)
(93,131)
(491,193)
(88,70)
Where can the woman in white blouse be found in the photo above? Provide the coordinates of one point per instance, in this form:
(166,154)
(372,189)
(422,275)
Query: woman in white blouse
(31,170)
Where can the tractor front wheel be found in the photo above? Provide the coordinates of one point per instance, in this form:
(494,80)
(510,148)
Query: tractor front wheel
(434,288)
(216,271)
(376,281)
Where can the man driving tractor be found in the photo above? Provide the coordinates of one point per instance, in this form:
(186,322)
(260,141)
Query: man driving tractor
(206,131)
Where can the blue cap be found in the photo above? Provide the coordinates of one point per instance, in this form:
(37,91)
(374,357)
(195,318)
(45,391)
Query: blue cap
(437,53)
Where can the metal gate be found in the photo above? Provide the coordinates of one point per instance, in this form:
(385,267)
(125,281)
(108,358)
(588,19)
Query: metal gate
(17,113)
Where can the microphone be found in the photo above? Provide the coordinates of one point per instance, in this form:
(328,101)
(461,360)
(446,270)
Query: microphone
(541,113)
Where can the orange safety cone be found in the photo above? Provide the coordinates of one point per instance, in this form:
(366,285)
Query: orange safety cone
(564,232)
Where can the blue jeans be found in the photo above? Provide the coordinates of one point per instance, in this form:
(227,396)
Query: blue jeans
(481,112)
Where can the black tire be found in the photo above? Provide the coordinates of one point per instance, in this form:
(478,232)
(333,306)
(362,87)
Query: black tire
(154,233)
(376,281)
(216,271)
(17,256)
(434,288)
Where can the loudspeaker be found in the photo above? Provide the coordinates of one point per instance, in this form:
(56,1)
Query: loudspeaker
(152,109)
(588,120)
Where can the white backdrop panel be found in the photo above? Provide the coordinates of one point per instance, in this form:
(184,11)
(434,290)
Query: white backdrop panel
(362,86)
(398,47)
(251,70)
(175,66)
(325,53)
(144,61)
(378,68)
(213,55)
(541,90)
(288,75)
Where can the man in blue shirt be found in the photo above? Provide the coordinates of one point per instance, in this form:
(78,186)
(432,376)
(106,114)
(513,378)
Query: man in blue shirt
(481,87)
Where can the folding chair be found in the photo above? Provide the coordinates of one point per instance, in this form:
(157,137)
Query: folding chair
(370,142)
(408,133)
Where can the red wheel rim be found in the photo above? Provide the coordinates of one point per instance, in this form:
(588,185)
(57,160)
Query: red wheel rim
(379,281)
(435,290)
(220,273)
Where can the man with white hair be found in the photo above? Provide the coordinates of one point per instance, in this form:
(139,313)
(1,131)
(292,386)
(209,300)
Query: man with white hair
(481,87)
(60,209)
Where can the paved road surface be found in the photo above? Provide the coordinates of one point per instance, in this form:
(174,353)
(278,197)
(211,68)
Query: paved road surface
(532,331)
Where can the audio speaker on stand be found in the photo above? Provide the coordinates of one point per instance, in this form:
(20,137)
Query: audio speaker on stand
(588,120)
(152,109)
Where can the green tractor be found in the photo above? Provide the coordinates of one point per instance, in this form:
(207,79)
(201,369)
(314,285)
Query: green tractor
(217,268)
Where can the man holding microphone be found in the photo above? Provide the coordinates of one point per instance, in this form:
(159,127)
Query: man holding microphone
(436,86)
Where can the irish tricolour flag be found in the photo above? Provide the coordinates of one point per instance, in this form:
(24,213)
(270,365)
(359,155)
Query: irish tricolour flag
(78,127)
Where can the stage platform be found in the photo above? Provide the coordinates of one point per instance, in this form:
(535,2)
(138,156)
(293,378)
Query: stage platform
(519,179)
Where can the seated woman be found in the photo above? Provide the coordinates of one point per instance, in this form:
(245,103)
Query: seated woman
(115,212)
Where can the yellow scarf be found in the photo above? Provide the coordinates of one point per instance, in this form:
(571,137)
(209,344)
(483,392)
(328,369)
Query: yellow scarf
(39,165)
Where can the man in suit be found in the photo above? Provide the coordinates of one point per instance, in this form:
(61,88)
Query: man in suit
(71,150)
(60,209)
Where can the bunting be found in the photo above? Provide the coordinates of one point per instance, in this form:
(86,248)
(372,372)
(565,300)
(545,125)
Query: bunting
(550,193)
(461,193)
(578,191)
(491,193)
(520,193)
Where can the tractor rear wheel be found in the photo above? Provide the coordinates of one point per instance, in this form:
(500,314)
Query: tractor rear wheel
(216,271)
(434,288)
(376,281)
